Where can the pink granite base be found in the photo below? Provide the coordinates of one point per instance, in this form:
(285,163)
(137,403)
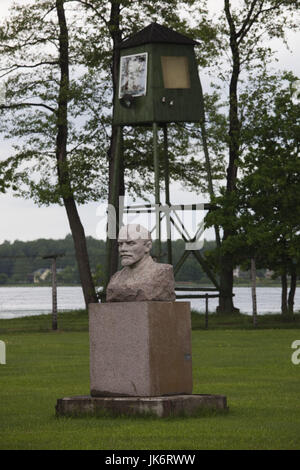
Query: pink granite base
(162,407)
(140,349)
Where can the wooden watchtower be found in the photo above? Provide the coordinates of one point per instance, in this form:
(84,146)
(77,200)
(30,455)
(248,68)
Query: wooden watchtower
(158,84)
(158,79)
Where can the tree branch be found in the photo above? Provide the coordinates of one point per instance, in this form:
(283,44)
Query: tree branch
(19,105)
(19,66)
(25,44)
(230,21)
(91,134)
(248,23)
(27,41)
(14,67)
(247,20)
(92,7)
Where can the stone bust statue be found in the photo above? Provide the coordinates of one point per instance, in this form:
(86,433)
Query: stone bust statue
(141,278)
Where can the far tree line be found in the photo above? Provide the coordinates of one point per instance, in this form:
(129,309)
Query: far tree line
(24,263)
(21,262)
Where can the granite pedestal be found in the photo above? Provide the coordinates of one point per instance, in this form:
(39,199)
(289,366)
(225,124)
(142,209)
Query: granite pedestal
(140,363)
(140,349)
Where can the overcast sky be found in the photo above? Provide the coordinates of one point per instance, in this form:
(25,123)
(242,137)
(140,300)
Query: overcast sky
(23,220)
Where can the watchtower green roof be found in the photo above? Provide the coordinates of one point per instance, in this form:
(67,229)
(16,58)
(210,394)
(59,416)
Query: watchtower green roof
(156,33)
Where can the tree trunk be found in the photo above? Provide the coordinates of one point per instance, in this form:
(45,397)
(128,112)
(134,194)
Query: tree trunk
(112,266)
(284,307)
(226,272)
(253,291)
(62,164)
(114,27)
(82,256)
(292,291)
(226,287)
(207,159)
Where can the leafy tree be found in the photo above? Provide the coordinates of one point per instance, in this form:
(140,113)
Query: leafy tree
(267,197)
(270,188)
(68,275)
(35,43)
(243,30)
(3,278)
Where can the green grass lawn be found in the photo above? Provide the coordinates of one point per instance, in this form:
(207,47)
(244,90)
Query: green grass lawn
(252,368)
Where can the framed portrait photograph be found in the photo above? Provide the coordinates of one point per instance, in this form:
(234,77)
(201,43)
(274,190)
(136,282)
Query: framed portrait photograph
(133,75)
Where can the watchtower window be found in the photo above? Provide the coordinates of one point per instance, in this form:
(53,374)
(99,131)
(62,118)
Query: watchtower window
(175,72)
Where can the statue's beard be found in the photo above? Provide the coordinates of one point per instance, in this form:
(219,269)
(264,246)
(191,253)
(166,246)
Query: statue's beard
(131,260)
(127,260)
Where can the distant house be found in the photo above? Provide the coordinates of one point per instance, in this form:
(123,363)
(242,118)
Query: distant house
(269,274)
(41,274)
(236,272)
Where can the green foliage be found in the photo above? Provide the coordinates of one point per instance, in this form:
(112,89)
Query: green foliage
(98,275)
(19,260)
(3,278)
(29,117)
(263,212)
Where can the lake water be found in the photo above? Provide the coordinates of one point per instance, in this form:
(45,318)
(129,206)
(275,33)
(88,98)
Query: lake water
(27,301)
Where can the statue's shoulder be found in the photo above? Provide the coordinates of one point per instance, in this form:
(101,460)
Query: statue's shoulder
(117,275)
(167,267)
(163,269)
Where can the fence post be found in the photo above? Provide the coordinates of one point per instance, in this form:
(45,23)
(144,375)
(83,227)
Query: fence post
(206,311)
(54,289)
(54,295)
(253,290)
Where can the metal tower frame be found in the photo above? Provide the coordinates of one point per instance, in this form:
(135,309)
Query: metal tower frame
(167,211)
